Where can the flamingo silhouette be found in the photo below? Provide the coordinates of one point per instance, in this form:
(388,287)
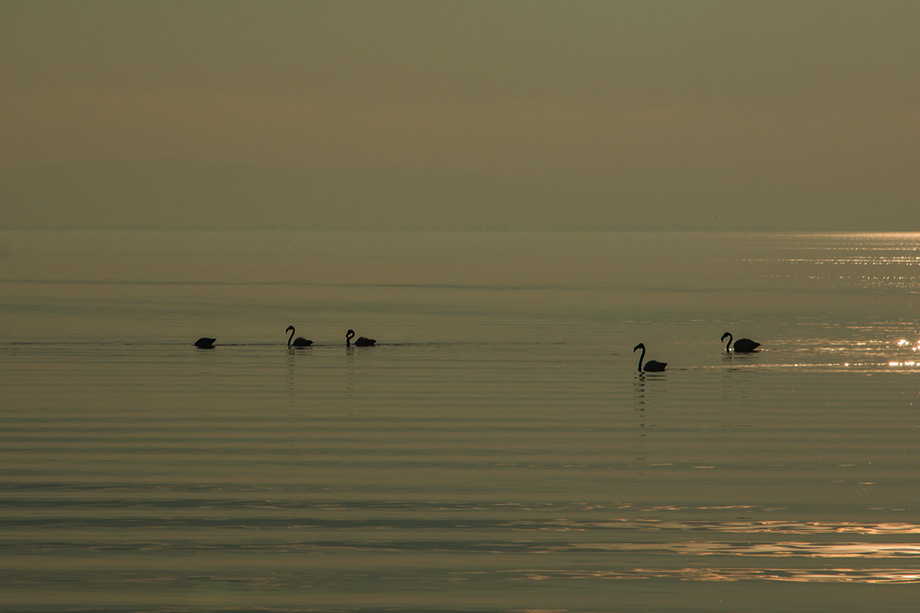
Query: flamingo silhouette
(742,345)
(361,341)
(297,342)
(651,365)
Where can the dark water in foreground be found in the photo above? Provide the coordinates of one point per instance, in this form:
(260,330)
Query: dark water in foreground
(496,451)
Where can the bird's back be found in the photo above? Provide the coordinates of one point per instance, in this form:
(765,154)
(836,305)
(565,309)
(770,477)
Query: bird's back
(745,345)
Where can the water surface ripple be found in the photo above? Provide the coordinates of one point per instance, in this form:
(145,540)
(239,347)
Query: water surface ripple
(496,452)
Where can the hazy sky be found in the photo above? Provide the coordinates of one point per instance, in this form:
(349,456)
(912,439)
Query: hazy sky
(437,114)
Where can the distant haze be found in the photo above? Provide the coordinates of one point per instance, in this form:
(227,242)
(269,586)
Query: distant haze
(460,115)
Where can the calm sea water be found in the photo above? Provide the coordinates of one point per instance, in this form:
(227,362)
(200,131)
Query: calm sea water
(496,451)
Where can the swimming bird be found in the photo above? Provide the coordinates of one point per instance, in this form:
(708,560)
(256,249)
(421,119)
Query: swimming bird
(297,342)
(361,341)
(742,345)
(205,343)
(651,365)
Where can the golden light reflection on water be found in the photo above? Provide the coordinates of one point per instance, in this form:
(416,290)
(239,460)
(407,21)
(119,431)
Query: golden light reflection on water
(773,549)
(905,344)
(796,551)
(824,575)
(737,527)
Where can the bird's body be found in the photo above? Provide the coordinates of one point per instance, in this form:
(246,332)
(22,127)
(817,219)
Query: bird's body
(742,345)
(651,365)
(205,343)
(361,341)
(297,342)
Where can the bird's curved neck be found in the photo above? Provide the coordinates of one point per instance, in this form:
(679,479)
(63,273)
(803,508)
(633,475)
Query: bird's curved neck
(728,345)
(291,336)
(641,359)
